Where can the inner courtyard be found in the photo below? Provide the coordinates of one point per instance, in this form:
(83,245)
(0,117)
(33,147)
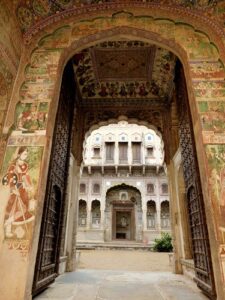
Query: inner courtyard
(123,193)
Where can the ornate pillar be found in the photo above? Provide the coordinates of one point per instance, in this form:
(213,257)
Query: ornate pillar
(102,218)
(88,216)
(89,202)
(71,233)
(116,153)
(158,215)
(129,154)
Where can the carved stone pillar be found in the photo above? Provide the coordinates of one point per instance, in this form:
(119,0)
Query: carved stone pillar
(89,217)
(102,218)
(129,154)
(72,215)
(158,216)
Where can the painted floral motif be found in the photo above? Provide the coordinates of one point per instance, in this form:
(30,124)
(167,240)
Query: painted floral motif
(30,12)
(200,3)
(25,17)
(41,8)
(209,89)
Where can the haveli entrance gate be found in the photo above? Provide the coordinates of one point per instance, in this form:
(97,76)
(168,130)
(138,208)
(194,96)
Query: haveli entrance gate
(46,57)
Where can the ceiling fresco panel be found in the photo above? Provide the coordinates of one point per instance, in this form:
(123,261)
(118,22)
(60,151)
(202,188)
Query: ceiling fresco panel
(123,64)
(124,69)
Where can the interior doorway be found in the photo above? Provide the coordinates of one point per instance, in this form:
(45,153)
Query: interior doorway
(124,213)
(124,225)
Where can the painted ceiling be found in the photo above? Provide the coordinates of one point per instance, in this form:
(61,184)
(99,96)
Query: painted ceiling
(33,12)
(124,69)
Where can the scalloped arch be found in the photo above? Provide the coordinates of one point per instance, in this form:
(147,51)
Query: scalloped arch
(123,185)
(115,121)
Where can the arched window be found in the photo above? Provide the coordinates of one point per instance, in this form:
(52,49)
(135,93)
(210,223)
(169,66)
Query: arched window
(150,188)
(95,213)
(164,188)
(82,218)
(165,214)
(151,214)
(96,188)
(82,188)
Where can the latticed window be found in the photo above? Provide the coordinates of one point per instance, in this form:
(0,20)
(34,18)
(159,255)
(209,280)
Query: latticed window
(150,188)
(123,151)
(165,188)
(95,213)
(109,151)
(82,188)
(151,214)
(96,188)
(82,217)
(165,214)
(136,152)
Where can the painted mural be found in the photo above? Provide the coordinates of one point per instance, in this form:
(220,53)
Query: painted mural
(20,173)
(31,117)
(40,74)
(216,160)
(207,70)
(32,12)
(212,115)
(6,84)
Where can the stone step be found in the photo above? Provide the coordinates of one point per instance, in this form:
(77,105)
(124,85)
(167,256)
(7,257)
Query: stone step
(115,246)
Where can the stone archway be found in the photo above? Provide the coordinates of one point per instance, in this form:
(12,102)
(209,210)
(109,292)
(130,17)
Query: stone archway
(51,64)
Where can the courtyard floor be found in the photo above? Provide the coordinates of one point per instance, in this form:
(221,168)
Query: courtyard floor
(122,275)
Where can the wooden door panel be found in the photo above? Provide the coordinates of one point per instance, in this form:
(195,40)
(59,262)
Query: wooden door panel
(195,201)
(54,220)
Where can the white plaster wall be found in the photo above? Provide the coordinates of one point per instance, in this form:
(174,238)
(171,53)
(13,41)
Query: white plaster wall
(122,131)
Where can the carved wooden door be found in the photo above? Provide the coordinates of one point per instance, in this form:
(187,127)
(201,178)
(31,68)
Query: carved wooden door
(53,220)
(196,208)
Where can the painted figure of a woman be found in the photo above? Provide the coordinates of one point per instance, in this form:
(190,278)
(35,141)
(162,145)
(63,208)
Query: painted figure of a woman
(19,182)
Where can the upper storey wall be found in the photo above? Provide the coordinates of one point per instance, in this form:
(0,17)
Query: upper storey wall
(125,133)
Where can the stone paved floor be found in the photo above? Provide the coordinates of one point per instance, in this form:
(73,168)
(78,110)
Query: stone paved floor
(121,285)
(122,275)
